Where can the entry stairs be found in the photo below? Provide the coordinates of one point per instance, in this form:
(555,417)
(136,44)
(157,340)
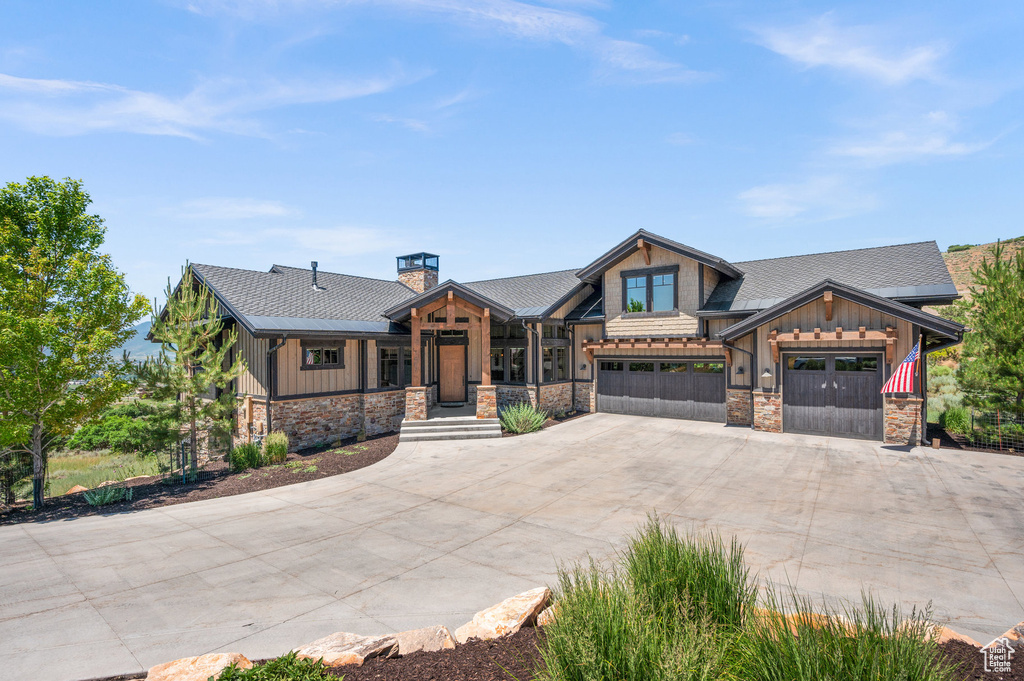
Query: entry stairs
(449,428)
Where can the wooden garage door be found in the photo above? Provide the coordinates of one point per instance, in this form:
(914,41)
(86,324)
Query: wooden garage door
(833,394)
(684,389)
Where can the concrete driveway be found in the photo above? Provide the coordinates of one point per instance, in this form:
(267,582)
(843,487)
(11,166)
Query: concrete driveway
(440,530)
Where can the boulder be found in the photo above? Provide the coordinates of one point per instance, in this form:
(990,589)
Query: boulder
(546,617)
(197,668)
(428,639)
(344,648)
(76,489)
(506,617)
(944,634)
(106,483)
(1014,635)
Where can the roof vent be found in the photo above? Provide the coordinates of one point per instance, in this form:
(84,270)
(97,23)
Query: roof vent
(313,264)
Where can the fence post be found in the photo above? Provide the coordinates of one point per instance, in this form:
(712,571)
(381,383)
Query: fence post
(999,429)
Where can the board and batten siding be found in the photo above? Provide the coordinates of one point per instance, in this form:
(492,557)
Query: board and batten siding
(584,332)
(558,315)
(254,352)
(739,359)
(681,323)
(293,380)
(846,314)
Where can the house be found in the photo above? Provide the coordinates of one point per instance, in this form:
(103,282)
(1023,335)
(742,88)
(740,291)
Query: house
(652,327)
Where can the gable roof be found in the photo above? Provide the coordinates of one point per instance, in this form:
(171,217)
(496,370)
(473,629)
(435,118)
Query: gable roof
(530,295)
(283,300)
(907,272)
(625,248)
(930,322)
(404,309)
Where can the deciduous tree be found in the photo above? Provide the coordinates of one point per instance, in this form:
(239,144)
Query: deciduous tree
(63,310)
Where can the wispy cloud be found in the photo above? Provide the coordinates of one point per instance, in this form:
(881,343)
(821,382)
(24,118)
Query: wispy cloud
(409,123)
(626,60)
(858,49)
(298,242)
(224,208)
(928,137)
(818,198)
(679,139)
(68,107)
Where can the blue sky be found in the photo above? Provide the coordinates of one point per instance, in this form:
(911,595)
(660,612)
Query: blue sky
(512,137)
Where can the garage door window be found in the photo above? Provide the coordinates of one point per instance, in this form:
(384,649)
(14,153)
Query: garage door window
(673,367)
(642,366)
(799,363)
(860,363)
(611,366)
(708,367)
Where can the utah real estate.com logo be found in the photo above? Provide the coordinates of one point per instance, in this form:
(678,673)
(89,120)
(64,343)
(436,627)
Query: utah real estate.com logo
(998,656)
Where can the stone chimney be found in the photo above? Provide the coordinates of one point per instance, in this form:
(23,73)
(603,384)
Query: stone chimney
(418,271)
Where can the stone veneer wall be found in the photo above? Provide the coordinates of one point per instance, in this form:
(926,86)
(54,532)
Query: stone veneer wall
(768,411)
(586,397)
(486,402)
(556,397)
(902,420)
(515,394)
(739,407)
(318,420)
(384,411)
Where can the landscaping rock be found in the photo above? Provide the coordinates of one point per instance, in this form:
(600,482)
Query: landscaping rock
(106,483)
(197,668)
(506,617)
(945,634)
(428,639)
(546,617)
(344,648)
(1014,633)
(76,489)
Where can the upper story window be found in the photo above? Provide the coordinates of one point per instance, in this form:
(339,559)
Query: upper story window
(323,357)
(554,332)
(651,290)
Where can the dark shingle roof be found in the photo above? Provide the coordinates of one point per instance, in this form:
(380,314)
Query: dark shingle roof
(268,299)
(903,272)
(529,295)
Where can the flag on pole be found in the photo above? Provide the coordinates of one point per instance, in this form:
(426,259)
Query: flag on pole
(902,380)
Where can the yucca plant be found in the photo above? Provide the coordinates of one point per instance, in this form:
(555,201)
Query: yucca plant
(111,494)
(288,667)
(522,417)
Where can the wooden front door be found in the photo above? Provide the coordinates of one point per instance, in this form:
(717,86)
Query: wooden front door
(453,373)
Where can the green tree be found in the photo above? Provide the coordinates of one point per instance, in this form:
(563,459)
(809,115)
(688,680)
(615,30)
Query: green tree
(991,369)
(193,364)
(63,310)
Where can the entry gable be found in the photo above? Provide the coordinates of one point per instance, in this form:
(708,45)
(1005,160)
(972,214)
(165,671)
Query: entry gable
(828,290)
(642,241)
(443,292)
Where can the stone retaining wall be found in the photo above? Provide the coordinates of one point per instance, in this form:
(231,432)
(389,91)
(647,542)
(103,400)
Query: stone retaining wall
(318,420)
(586,397)
(768,411)
(515,394)
(739,407)
(902,420)
(384,411)
(556,398)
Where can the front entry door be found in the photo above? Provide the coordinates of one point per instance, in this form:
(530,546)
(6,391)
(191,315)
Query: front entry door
(453,373)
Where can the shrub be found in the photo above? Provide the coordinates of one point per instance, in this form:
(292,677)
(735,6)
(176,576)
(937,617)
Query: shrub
(861,644)
(940,370)
(288,667)
(667,570)
(522,417)
(956,248)
(275,448)
(956,420)
(102,496)
(245,456)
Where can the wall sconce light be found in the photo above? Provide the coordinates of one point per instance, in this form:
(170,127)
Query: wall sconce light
(739,371)
(583,367)
(767,373)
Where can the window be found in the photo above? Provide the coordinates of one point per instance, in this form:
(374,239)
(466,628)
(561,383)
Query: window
(452,333)
(391,360)
(553,361)
(320,357)
(498,364)
(858,363)
(641,366)
(611,366)
(652,290)
(498,331)
(556,331)
(673,368)
(516,331)
(799,363)
(709,367)
(517,365)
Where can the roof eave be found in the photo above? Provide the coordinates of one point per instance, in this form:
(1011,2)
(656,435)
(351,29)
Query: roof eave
(403,311)
(591,272)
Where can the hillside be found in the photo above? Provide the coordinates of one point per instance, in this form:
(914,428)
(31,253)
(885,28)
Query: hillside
(138,347)
(961,262)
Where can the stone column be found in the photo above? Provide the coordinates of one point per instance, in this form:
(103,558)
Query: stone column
(486,402)
(416,403)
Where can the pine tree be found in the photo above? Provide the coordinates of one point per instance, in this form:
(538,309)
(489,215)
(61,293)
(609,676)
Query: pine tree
(991,369)
(193,361)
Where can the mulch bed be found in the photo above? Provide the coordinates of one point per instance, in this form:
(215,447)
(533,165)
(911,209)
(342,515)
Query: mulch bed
(949,440)
(971,663)
(514,658)
(217,480)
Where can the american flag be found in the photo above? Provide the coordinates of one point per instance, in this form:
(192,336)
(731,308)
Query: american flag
(309,356)
(902,380)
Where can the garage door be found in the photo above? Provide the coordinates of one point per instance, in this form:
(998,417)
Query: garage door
(682,389)
(838,395)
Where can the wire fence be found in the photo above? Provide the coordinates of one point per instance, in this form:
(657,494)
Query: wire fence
(996,430)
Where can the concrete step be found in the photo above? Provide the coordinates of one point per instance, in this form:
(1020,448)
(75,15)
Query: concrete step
(427,437)
(450,422)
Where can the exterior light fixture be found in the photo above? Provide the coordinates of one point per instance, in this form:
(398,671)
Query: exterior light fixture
(767,373)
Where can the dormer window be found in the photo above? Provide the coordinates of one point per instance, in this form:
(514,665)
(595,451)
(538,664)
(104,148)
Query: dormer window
(650,290)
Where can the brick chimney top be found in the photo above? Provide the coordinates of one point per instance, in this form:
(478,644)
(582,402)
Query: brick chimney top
(418,271)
